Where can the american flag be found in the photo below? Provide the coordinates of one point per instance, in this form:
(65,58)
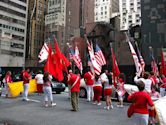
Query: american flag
(135,58)
(153,62)
(100,59)
(77,59)
(96,66)
(71,53)
(75,56)
(141,60)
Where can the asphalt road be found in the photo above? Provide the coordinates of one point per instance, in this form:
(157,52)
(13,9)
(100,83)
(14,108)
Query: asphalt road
(18,112)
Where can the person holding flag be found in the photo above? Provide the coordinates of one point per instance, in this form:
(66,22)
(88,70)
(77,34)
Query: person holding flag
(74,82)
(145,79)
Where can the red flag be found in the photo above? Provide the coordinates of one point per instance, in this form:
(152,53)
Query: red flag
(58,68)
(65,63)
(49,67)
(61,62)
(163,66)
(115,68)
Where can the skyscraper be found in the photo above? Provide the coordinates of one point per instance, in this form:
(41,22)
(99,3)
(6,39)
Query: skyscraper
(130,13)
(55,20)
(13,25)
(105,10)
(153,28)
(35,30)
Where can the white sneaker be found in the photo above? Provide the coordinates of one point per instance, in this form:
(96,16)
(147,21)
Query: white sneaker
(105,107)
(94,103)
(46,105)
(118,105)
(53,104)
(108,108)
(112,107)
(98,103)
(121,106)
(27,99)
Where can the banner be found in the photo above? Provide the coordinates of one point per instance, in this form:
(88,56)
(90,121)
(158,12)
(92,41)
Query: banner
(16,88)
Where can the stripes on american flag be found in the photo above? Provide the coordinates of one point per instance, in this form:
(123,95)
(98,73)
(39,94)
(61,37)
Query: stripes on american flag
(96,66)
(135,58)
(141,60)
(153,63)
(100,59)
(75,56)
(77,59)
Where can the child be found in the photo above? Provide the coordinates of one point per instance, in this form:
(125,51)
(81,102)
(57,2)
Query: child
(120,89)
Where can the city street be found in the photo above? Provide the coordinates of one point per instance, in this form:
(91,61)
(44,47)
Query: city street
(18,112)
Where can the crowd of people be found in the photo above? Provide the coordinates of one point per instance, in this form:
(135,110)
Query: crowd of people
(150,86)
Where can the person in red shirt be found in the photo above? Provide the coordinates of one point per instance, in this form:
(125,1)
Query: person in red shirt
(141,101)
(89,81)
(26,77)
(7,80)
(74,82)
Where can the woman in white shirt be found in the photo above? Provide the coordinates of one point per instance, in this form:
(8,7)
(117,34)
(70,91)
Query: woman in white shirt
(107,90)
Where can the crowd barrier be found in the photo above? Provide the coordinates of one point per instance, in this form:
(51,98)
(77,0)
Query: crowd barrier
(16,88)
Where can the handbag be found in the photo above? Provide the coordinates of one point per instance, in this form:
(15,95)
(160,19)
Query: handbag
(130,110)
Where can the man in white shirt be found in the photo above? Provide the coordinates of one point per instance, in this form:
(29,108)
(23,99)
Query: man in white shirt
(145,80)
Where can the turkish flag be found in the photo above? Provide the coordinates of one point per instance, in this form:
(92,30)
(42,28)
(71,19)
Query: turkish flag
(63,61)
(49,67)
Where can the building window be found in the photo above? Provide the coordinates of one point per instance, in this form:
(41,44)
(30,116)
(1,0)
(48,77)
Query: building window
(14,4)
(101,13)
(12,12)
(69,12)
